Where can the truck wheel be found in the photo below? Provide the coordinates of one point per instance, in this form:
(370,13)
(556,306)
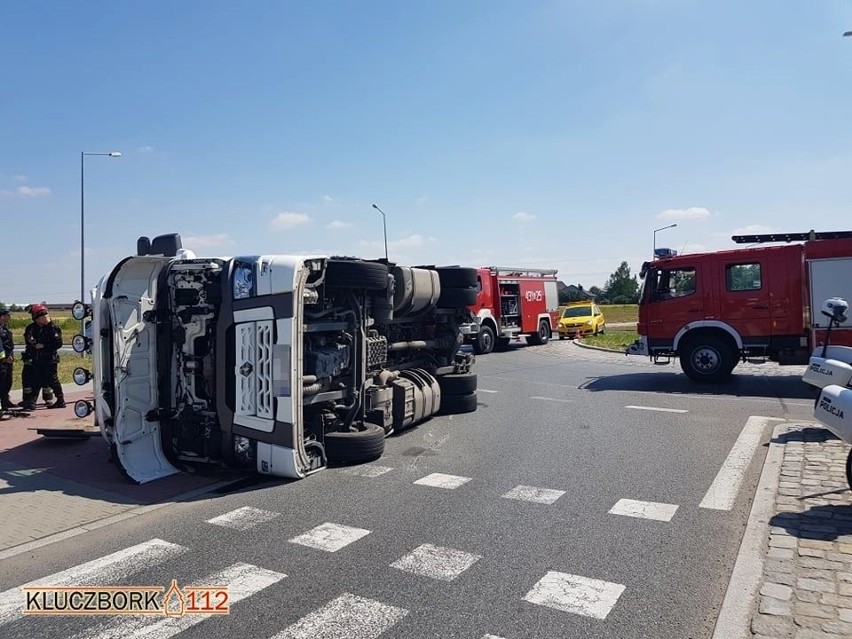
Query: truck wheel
(457,384)
(354,447)
(542,336)
(484,343)
(457,404)
(457,297)
(457,277)
(503,343)
(707,359)
(356,274)
(849,469)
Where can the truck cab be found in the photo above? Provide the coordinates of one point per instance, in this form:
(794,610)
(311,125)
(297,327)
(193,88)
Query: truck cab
(272,363)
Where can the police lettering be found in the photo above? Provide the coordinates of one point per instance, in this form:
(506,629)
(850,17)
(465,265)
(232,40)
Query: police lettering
(828,407)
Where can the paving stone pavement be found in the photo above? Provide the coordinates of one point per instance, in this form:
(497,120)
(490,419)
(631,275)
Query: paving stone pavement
(806,587)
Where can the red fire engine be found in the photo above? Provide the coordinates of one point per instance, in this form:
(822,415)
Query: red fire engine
(712,310)
(512,302)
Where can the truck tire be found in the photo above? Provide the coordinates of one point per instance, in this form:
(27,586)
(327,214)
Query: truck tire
(457,277)
(345,273)
(849,469)
(503,343)
(542,336)
(457,297)
(457,384)
(707,359)
(485,340)
(354,447)
(457,404)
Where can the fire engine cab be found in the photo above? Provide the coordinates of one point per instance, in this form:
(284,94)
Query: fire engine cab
(712,310)
(513,302)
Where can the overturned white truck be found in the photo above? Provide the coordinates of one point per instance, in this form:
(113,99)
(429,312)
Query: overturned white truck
(279,364)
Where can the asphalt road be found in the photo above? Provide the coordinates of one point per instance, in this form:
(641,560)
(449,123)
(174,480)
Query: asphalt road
(568,432)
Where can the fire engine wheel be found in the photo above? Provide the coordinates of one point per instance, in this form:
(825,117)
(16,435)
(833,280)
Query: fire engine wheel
(503,343)
(356,274)
(353,447)
(707,359)
(485,340)
(849,469)
(542,336)
(457,297)
(457,277)
(457,404)
(457,384)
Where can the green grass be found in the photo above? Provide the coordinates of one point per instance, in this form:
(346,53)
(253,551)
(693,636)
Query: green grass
(617,340)
(619,313)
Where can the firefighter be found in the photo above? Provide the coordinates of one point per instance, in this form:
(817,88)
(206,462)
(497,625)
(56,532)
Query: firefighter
(7,358)
(43,340)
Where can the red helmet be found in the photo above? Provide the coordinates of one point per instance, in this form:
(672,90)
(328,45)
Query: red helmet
(37,310)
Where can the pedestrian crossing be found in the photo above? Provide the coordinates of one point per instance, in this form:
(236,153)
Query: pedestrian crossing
(348,613)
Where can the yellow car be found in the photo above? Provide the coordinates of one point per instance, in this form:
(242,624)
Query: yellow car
(582,318)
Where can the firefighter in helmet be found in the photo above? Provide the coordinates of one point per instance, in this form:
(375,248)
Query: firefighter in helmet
(43,340)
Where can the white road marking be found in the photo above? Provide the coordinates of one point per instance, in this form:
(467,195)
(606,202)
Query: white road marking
(661,410)
(552,399)
(242,580)
(368,470)
(575,594)
(644,509)
(723,491)
(485,390)
(442,480)
(330,537)
(492,637)
(243,518)
(537,495)
(103,570)
(347,617)
(436,562)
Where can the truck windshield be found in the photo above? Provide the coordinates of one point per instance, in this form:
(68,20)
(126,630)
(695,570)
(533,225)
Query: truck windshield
(577,311)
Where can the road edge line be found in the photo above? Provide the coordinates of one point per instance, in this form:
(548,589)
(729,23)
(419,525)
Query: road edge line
(734,620)
(27,546)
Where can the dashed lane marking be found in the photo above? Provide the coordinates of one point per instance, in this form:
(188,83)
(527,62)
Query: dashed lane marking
(244,518)
(575,594)
(552,399)
(644,509)
(243,581)
(442,480)
(485,390)
(107,569)
(661,410)
(368,470)
(330,537)
(347,617)
(444,564)
(533,494)
(723,491)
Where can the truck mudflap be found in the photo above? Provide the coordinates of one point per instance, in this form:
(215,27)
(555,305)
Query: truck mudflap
(834,409)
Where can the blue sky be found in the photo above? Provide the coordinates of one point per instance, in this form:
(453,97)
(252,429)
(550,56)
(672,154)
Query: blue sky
(541,134)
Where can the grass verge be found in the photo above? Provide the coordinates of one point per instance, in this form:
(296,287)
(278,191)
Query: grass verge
(619,313)
(616,340)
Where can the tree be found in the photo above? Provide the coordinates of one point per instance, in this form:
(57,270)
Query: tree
(622,287)
(596,293)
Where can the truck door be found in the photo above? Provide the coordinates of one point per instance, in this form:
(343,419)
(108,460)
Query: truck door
(745,301)
(674,296)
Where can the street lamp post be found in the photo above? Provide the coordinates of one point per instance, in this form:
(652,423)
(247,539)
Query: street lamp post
(663,228)
(385,227)
(83,154)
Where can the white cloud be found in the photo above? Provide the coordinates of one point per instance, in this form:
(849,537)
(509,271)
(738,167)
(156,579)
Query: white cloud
(412,241)
(288,220)
(521,216)
(193,242)
(327,199)
(145,149)
(337,224)
(33,191)
(691,213)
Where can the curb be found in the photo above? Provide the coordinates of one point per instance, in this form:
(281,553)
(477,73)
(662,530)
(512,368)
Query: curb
(112,519)
(580,344)
(734,620)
